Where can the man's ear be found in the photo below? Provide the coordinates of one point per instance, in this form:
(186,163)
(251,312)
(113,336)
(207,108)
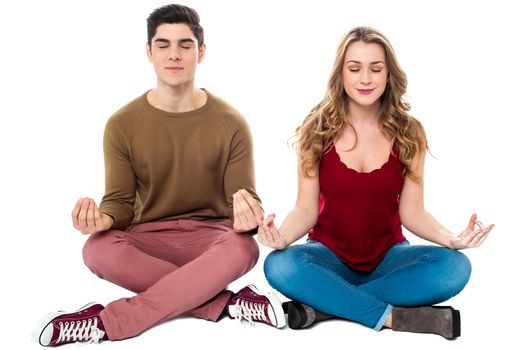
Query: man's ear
(149,52)
(201,53)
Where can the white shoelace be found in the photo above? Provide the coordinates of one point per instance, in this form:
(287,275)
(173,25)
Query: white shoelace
(244,310)
(80,331)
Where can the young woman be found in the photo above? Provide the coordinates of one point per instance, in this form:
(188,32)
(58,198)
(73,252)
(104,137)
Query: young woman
(360,178)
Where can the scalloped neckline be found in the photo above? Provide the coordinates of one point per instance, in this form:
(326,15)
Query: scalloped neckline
(333,148)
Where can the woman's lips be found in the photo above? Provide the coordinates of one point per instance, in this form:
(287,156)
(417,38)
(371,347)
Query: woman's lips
(365,91)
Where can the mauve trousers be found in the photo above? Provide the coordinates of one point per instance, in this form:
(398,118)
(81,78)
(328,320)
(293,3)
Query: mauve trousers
(176,267)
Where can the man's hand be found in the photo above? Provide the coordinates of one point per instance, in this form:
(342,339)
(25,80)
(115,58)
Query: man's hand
(88,219)
(247,211)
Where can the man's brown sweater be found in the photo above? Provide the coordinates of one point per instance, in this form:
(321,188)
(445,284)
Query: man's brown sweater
(166,166)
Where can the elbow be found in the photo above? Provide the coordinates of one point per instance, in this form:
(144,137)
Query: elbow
(307,214)
(311,217)
(409,215)
(404,217)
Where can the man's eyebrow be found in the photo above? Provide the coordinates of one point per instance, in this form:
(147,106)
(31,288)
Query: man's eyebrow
(161,40)
(375,62)
(184,40)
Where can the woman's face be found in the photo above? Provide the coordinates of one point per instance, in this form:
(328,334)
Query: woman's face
(364,73)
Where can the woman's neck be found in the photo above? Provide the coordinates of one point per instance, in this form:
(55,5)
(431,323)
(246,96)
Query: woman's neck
(360,115)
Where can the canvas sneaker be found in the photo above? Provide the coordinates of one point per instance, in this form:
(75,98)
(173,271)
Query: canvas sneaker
(253,306)
(83,325)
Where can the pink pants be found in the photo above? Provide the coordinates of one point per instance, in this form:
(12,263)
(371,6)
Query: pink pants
(176,267)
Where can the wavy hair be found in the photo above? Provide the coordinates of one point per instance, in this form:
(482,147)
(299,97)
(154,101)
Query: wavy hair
(327,119)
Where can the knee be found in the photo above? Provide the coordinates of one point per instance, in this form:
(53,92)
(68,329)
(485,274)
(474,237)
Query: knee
(455,270)
(96,251)
(461,268)
(281,267)
(243,248)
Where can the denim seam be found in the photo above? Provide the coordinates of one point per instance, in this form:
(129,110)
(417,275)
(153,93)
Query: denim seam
(312,259)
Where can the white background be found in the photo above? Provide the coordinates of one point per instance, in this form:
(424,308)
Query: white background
(67,66)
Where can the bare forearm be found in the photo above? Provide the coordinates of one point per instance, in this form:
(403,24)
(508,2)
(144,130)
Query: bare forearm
(424,225)
(297,223)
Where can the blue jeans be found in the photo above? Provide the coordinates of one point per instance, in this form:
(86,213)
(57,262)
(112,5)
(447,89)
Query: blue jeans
(407,276)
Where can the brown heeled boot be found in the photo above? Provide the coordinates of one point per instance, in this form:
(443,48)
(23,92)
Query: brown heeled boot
(441,320)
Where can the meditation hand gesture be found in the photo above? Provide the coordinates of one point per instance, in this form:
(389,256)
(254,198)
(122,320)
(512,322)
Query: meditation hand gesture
(473,236)
(247,211)
(269,235)
(88,219)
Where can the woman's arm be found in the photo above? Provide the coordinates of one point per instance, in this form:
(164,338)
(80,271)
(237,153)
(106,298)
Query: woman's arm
(417,220)
(299,220)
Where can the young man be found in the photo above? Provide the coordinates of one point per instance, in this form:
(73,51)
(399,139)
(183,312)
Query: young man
(175,221)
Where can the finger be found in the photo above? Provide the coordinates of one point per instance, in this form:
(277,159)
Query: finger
(83,214)
(243,203)
(479,224)
(75,213)
(235,204)
(267,234)
(467,240)
(262,238)
(473,238)
(238,212)
(245,211)
(484,237)
(253,204)
(270,229)
(276,237)
(98,219)
(264,231)
(481,236)
(90,217)
(269,219)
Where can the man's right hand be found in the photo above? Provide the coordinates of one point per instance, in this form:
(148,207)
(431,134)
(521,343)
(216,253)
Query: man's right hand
(88,219)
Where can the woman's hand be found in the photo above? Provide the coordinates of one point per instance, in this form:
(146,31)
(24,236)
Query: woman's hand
(269,235)
(473,236)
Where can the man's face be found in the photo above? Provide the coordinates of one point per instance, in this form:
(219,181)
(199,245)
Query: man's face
(175,54)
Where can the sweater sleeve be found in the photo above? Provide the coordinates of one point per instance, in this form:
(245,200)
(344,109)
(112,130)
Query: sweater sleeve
(119,197)
(239,171)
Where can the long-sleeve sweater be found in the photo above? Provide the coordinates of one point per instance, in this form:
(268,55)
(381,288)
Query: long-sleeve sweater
(165,166)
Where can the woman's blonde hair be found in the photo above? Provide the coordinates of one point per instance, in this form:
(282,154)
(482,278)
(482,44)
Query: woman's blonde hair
(326,120)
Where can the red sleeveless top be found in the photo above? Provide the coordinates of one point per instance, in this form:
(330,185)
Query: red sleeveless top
(359,218)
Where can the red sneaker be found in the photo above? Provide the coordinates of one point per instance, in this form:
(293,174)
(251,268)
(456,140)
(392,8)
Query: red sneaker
(83,325)
(251,305)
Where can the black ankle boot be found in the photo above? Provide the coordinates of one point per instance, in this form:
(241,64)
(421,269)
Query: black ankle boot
(303,316)
(441,320)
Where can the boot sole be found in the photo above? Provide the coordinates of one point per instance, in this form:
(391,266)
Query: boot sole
(299,318)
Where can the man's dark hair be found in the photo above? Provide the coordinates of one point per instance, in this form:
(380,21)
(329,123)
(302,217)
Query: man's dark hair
(175,13)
